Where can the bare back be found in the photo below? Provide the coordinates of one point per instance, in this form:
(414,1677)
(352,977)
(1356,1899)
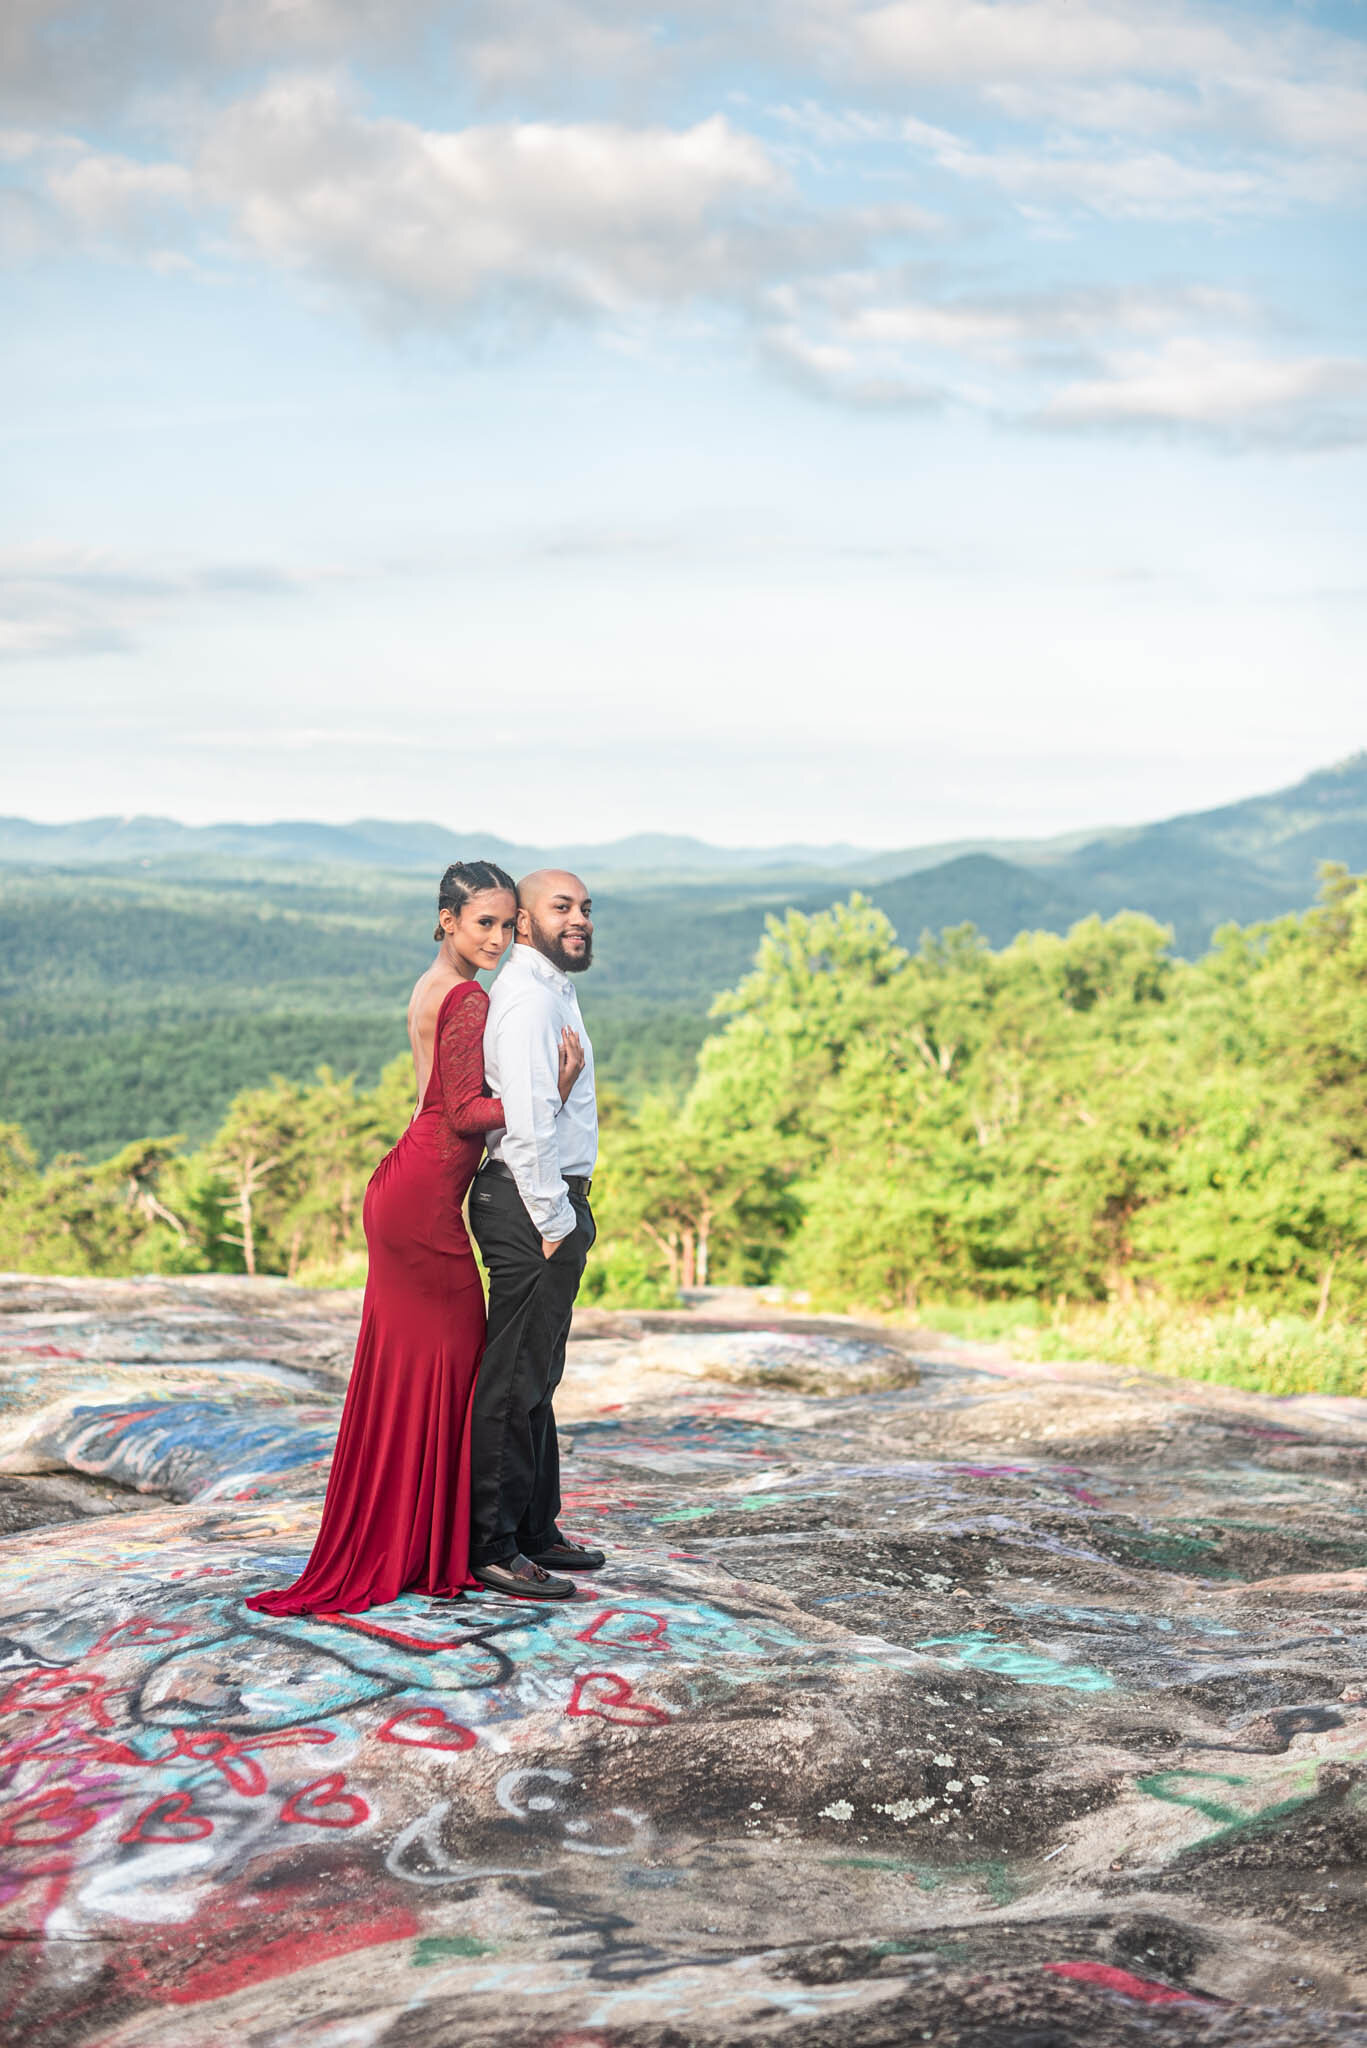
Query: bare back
(430,991)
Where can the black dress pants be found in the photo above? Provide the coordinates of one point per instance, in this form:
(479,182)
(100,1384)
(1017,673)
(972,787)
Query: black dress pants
(514,1454)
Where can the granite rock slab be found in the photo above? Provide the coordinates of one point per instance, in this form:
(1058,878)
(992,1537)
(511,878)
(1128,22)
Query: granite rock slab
(926,1696)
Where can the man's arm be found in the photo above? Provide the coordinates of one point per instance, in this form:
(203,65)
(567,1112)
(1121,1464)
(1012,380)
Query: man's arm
(528,1049)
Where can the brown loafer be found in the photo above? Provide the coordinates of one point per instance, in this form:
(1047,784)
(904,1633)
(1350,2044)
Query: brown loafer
(521,1578)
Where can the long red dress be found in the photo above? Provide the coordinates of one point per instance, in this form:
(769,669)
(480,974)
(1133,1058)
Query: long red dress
(397,1513)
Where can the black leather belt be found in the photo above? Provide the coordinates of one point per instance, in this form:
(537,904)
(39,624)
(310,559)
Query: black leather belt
(577,1183)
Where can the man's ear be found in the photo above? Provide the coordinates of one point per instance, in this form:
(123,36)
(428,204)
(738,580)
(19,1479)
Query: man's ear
(524,923)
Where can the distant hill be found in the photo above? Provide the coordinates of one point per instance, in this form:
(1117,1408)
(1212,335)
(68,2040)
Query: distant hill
(998,896)
(1248,860)
(223,954)
(368,842)
(1245,861)
(419,848)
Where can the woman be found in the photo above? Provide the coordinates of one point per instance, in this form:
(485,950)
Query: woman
(397,1513)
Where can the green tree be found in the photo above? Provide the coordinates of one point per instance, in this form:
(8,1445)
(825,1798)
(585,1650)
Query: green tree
(118,1216)
(703,1200)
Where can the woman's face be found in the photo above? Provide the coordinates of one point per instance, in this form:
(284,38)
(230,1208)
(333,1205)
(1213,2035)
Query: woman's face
(483,926)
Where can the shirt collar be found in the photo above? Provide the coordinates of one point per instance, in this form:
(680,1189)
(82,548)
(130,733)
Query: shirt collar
(537,963)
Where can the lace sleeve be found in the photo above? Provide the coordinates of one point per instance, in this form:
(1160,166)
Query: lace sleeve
(469,1112)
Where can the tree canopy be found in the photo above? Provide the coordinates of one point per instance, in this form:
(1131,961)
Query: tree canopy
(1082,1116)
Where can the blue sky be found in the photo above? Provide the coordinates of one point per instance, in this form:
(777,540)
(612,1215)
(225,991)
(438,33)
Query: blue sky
(884,422)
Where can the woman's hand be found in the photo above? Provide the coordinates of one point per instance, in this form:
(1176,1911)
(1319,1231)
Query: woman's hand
(571,1062)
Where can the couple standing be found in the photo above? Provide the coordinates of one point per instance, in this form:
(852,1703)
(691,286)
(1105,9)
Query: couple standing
(446,1473)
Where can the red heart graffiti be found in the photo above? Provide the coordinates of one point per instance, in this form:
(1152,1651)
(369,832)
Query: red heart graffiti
(142,1630)
(225,1753)
(59,1693)
(323,1804)
(651,1636)
(427,1717)
(614,1701)
(290,1738)
(45,1819)
(171,1819)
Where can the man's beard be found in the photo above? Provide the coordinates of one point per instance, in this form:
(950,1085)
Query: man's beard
(557,953)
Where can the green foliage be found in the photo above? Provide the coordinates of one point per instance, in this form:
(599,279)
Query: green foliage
(699,1200)
(86,1090)
(137,999)
(622,1274)
(278,1189)
(117,1217)
(287,1172)
(1178,1147)
(1079,1115)
(1242,1347)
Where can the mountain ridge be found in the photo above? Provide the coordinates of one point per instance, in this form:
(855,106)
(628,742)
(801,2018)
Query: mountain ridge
(1248,860)
(1248,825)
(206,971)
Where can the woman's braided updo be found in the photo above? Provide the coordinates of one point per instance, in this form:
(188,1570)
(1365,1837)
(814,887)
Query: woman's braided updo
(464,879)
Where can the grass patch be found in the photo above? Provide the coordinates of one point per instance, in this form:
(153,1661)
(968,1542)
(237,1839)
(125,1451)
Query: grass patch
(1265,1351)
(1237,1347)
(982,1322)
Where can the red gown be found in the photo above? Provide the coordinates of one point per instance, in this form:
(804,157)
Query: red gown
(397,1513)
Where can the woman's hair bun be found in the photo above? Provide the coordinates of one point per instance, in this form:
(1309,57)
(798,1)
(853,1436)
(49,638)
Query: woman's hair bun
(467,878)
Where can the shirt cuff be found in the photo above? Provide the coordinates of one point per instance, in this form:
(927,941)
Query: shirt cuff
(562,1224)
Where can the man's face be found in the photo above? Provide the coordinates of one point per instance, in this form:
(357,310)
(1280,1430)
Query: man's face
(557,922)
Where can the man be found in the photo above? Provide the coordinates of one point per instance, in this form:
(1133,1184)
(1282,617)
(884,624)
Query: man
(529,1210)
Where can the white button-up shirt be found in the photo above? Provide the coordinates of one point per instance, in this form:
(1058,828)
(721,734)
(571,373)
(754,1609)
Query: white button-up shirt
(542,1139)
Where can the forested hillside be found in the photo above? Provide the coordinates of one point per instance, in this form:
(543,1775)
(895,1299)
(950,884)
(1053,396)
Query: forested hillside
(1077,1116)
(136,1001)
(142,999)
(149,972)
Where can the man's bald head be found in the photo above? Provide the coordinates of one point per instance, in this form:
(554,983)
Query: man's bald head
(548,881)
(554,916)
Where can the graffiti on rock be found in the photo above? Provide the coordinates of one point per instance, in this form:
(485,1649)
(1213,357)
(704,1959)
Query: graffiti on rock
(1072,1689)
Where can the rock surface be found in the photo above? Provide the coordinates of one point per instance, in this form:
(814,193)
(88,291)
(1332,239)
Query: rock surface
(927,1697)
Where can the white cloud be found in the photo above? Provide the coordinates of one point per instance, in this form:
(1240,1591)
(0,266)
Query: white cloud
(866,326)
(1132,112)
(57,602)
(828,370)
(1183,360)
(1199,386)
(599,220)
(984,41)
(590,216)
(113,195)
(582,217)
(75,58)
(1121,64)
(1116,106)
(1151,184)
(1318,115)
(1126,66)
(1005,326)
(1271,111)
(539,218)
